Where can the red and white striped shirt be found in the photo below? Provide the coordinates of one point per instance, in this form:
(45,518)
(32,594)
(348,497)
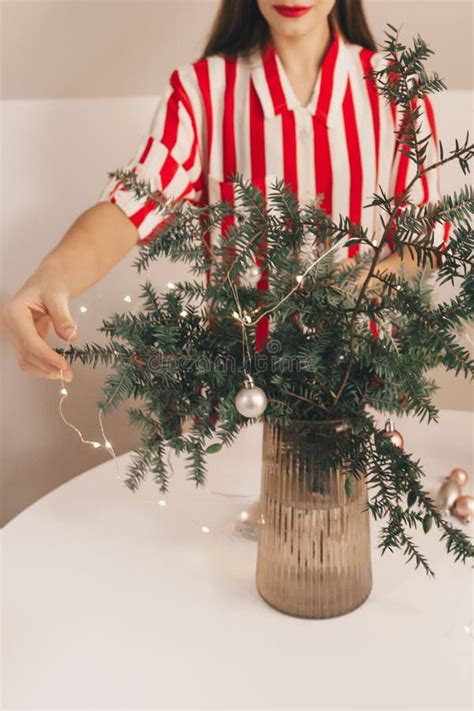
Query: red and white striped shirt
(219,116)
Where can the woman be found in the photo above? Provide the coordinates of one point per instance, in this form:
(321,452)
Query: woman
(280,92)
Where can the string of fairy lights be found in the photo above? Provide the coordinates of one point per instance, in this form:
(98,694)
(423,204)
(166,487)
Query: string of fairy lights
(245,321)
(106,444)
(250,401)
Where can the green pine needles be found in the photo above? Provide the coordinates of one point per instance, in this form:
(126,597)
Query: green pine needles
(185,354)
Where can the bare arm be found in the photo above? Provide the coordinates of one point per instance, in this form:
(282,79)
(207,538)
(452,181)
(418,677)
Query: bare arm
(393,264)
(100,238)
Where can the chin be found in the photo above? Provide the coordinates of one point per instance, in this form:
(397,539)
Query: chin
(291,29)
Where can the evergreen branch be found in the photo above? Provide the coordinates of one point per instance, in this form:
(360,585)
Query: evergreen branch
(332,348)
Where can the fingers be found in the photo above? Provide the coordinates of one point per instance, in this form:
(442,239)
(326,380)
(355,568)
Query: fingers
(43,325)
(31,347)
(34,367)
(63,322)
(49,372)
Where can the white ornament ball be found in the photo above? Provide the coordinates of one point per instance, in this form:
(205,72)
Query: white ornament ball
(252,276)
(251,401)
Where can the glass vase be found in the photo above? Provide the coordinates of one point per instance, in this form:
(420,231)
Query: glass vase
(313,540)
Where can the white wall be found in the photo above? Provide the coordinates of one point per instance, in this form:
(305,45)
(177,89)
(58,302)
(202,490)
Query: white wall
(55,156)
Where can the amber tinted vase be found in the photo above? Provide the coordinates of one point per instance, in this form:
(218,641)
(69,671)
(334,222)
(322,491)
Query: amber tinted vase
(313,541)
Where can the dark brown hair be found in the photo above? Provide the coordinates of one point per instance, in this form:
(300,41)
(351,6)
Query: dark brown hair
(239,27)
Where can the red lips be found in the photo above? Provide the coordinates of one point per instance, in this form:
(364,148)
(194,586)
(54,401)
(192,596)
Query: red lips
(293,10)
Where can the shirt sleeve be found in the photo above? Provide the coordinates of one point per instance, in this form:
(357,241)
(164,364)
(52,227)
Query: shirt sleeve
(428,188)
(168,158)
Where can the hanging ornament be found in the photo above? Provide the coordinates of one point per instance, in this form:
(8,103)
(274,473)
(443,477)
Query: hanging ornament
(252,276)
(459,475)
(392,434)
(464,508)
(251,401)
(449,492)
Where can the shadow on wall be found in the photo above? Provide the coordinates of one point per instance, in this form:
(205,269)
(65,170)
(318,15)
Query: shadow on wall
(108,68)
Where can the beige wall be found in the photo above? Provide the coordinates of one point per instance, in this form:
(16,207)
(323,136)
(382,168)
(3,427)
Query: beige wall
(79,81)
(97,48)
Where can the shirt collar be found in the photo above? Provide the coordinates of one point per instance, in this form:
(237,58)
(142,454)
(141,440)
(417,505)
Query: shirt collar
(274,89)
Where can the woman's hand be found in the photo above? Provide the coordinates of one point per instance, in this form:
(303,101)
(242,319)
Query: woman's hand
(41,304)
(99,238)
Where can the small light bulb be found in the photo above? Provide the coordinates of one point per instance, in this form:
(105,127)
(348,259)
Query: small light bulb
(83,309)
(205,529)
(170,285)
(63,391)
(108,445)
(299,278)
(127,299)
(183,313)
(244,515)
(374,243)
(162,502)
(235,315)
(247,319)
(96,445)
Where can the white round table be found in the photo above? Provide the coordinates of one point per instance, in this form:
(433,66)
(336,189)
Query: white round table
(112,600)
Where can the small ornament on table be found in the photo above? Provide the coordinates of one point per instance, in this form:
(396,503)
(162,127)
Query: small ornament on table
(464,508)
(449,492)
(459,475)
(392,434)
(251,400)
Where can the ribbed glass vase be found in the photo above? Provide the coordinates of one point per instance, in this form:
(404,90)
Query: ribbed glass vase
(313,541)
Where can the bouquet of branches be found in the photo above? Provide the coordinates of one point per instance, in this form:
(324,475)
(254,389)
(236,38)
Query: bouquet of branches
(339,348)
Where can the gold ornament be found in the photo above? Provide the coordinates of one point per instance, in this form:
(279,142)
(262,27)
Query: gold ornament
(464,508)
(392,434)
(459,475)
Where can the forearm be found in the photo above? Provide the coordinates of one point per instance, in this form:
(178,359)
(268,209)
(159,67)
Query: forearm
(406,266)
(397,265)
(98,240)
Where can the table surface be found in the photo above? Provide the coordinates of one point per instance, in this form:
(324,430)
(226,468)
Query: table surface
(112,600)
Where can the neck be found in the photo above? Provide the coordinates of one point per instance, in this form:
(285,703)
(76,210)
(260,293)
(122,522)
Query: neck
(303,55)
